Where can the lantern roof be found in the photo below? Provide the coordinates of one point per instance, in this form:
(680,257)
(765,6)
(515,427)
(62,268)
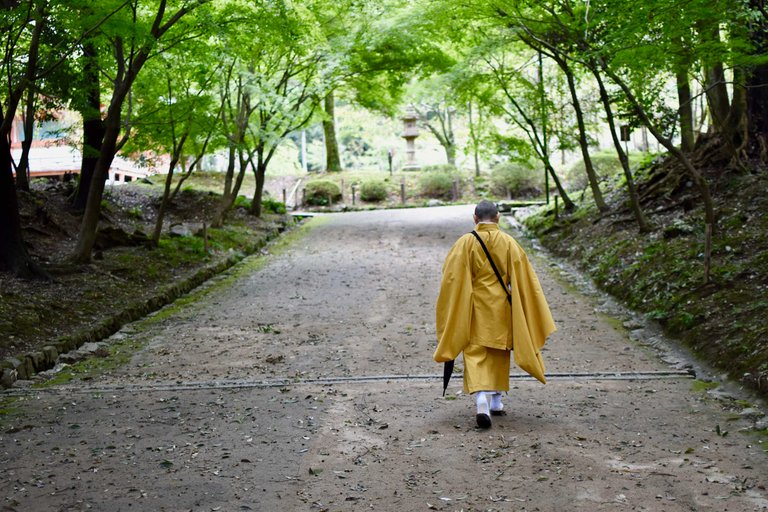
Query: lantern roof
(410,114)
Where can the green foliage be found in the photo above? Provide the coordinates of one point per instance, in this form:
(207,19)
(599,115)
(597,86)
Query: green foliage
(661,274)
(521,180)
(438,184)
(373,191)
(322,192)
(606,164)
(444,168)
(242,202)
(181,250)
(388,46)
(270,205)
(703,385)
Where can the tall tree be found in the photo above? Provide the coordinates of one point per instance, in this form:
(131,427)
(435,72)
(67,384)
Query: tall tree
(89,106)
(634,200)
(287,86)
(332,155)
(275,90)
(518,99)
(149,31)
(755,84)
(682,69)
(540,45)
(436,114)
(236,112)
(22,26)
(176,107)
(475,123)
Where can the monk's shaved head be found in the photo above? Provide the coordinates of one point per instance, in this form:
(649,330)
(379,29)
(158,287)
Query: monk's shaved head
(486,211)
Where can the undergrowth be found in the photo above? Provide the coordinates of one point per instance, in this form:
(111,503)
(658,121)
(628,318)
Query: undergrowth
(661,273)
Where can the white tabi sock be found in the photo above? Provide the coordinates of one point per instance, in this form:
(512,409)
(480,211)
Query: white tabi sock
(496,404)
(482,403)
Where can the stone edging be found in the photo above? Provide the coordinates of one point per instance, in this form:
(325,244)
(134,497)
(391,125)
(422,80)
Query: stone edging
(25,366)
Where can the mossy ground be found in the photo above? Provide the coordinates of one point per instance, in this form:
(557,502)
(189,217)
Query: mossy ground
(36,313)
(661,273)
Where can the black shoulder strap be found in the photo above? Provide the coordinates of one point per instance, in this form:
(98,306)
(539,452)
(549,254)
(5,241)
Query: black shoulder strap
(493,265)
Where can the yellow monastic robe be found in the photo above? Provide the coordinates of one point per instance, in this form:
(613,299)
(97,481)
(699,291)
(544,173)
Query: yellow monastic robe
(474,317)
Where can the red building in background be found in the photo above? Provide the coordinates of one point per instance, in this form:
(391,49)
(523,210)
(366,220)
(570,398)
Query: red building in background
(56,150)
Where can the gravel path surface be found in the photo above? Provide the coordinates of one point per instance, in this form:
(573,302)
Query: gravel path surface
(305,385)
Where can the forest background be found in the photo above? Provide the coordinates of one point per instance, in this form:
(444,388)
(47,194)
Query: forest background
(509,92)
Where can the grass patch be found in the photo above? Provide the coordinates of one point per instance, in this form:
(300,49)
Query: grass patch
(7,407)
(616,323)
(119,353)
(702,386)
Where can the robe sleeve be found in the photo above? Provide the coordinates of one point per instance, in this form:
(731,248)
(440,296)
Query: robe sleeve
(538,317)
(454,304)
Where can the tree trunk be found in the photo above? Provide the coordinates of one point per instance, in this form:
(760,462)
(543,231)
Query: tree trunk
(228,200)
(696,176)
(634,201)
(332,158)
(175,157)
(93,126)
(475,138)
(567,203)
(450,154)
(163,203)
(87,235)
(583,143)
(22,170)
(263,157)
(445,138)
(717,96)
(13,253)
(450,148)
(757,89)
(259,171)
(685,110)
(186,171)
(239,125)
(714,84)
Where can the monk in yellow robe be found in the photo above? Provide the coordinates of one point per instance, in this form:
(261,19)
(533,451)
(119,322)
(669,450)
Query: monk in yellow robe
(486,320)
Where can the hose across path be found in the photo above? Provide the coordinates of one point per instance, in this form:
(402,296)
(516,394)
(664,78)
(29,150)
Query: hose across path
(278,383)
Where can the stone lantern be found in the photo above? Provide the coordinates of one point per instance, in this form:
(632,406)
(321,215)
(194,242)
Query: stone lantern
(410,132)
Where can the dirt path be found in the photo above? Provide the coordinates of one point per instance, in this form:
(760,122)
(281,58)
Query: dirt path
(267,395)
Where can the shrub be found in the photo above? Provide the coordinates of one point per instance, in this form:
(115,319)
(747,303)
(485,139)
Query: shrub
(446,168)
(606,165)
(320,191)
(374,190)
(242,202)
(437,184)
(269,205)
(520,179)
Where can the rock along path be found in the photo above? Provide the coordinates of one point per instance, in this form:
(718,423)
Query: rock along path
(304,386)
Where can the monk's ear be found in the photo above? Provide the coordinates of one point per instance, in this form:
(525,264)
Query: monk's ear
(477,219)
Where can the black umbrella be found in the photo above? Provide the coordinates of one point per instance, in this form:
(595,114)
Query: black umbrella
(447,372)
